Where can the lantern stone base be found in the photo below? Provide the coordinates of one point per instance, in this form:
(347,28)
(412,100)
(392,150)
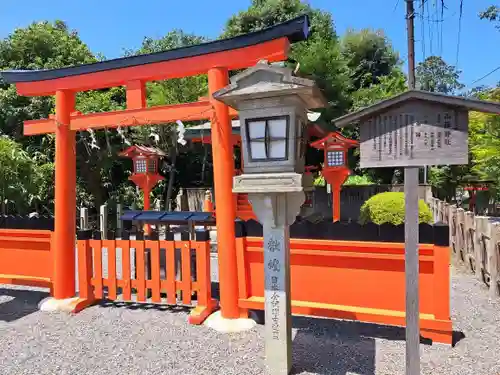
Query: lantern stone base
(68,305)
(223,325)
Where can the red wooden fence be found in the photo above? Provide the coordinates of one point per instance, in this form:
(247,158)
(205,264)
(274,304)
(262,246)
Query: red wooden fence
(151,288)
(26,257)
(352,280)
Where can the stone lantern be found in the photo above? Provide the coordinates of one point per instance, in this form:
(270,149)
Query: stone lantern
(272,105)
(335,168)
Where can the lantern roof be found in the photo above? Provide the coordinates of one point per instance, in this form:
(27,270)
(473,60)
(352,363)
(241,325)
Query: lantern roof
(269,81)
(141,150)
(334,138)
(418,95)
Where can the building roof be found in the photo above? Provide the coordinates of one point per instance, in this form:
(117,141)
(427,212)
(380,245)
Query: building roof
(454,101)
(204,130)
(295,30)
(141,150)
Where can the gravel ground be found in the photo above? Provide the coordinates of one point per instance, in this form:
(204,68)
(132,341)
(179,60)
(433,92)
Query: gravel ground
(115,339)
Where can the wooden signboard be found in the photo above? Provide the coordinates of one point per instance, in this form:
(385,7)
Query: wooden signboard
(415,133)
(410,130)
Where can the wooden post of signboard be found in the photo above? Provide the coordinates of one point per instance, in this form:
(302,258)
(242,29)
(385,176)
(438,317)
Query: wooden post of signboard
(411,271)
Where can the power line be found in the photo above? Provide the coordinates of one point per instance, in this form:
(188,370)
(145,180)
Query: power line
(431,35)
(436,25)
(439,28)
(396,6)
(486,75)
(459,30)
(422,27)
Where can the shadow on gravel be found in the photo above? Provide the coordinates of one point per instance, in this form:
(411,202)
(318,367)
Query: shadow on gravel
(17,303)
(457,336)
(330,347)
(143,306)
(340,347)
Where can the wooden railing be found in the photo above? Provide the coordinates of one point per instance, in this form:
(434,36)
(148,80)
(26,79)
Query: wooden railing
(475,241)
(144,279)
(26,257)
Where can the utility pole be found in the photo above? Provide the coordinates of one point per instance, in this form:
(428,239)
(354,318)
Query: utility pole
(411,229)
(410,16)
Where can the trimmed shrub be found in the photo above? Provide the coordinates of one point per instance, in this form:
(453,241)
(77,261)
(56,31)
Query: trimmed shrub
(389,207)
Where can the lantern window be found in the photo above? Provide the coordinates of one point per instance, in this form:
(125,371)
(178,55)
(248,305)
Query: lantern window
(335,158)
(268,138)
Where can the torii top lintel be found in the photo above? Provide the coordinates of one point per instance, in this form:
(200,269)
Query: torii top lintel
(240,52)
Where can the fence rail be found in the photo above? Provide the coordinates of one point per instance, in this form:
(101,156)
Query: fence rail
(474,240)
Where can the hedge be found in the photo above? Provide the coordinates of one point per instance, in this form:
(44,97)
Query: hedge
(389,207)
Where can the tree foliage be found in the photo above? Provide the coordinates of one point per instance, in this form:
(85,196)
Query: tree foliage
(369,56)
(41,45)
(492,13)
(435,75)
(485,141)
(319,56)
(26,179)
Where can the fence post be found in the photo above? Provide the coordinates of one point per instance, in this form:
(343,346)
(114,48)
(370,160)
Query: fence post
(119,213)
(203,277)
(84,218)
(469,237)
(103,221)
(452,224)
(460,232)
(481,223)
(85,270)
(493,261)
(208,205)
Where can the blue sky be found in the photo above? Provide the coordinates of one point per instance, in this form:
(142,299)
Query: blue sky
(111,26)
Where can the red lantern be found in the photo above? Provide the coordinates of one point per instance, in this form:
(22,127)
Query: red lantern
(145,174)
(335,168)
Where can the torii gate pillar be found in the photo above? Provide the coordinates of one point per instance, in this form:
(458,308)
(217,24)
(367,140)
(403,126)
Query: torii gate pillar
(222,151)
(65,198)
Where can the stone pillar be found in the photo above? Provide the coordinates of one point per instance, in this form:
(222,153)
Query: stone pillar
(276,212)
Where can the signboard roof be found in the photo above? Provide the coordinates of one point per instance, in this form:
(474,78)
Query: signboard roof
(455,101)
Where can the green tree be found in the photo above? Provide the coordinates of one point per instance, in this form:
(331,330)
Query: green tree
(387,86)
(492,13)
(319,56)
(374,74)
(484,140)
(435,75)
(369,56)
(41,45)
(26,180)
(46,45)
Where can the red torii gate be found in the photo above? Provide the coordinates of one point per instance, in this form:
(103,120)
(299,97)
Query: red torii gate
(215,59)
